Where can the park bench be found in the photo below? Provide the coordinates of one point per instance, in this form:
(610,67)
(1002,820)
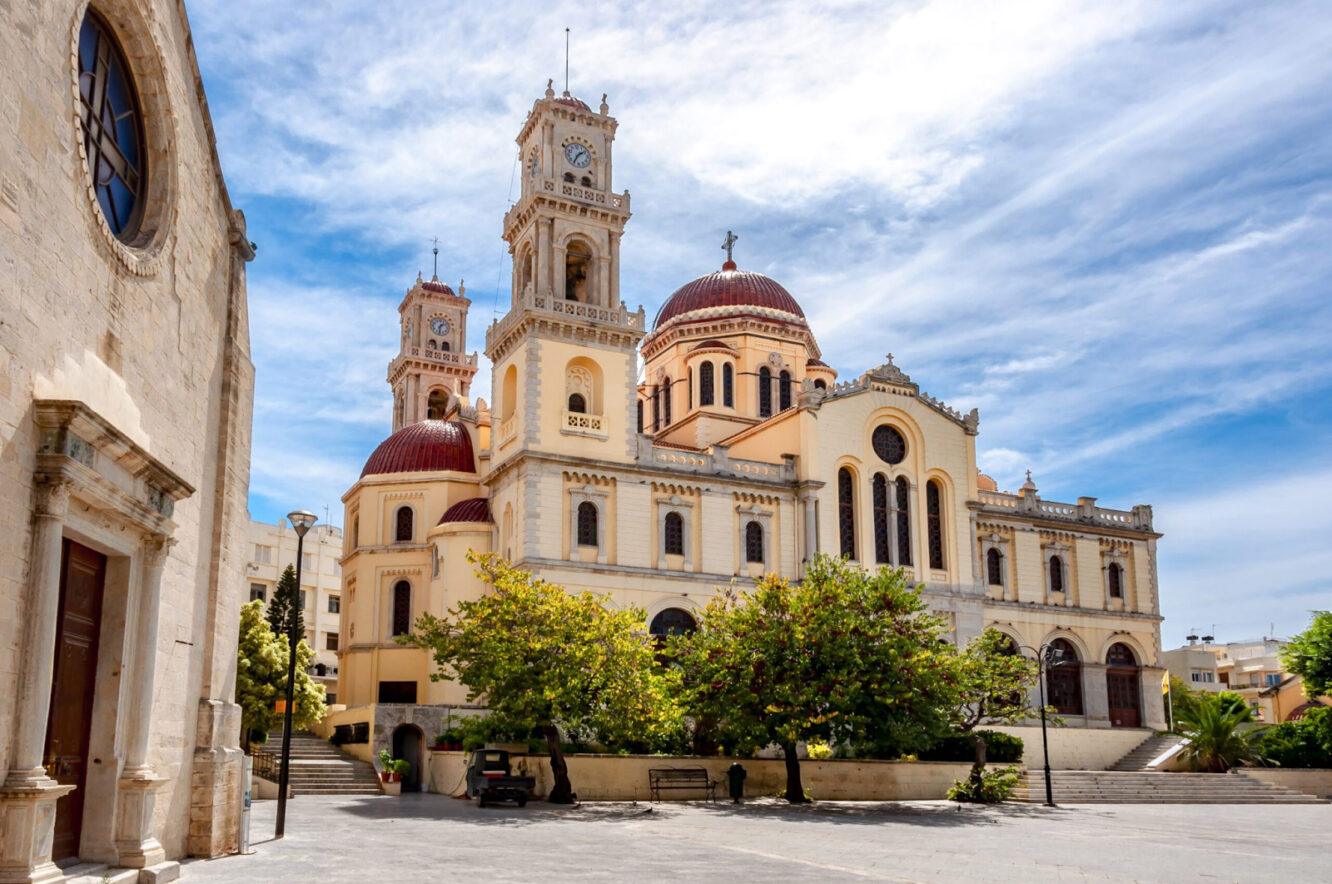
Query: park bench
(675,778)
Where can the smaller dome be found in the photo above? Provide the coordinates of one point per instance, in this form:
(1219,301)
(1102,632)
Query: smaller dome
(986,483)
(734,290)
(474,509)
(436,286)
(572,101)
(710,345)
(429,446)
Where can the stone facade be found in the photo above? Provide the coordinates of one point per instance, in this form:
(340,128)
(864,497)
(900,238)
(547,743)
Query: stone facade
(125,400)
(732,452)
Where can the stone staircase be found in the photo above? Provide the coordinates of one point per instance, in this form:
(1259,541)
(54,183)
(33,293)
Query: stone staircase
(1148,750)
(320,768)
(1152,787)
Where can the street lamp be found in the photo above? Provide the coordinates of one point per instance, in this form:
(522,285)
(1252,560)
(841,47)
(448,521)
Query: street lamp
(301,522)
(1045,656)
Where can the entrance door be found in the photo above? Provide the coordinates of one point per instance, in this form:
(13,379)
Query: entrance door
(1123,686)
(82,574)
(407,746)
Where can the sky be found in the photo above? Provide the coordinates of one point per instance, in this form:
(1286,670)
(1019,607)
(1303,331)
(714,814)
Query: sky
(1108,226)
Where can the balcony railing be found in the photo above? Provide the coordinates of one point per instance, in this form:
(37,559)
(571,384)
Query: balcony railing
(584,424)
(1085,510)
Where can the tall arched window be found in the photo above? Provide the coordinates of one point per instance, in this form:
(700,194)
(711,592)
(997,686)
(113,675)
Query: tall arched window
(587,523)
(640,415)
(403,520)
(765,392)
(903,521)
(784,390)
(728,385)
(113,138)
(934,517)
(689,390)
(821,384)
(577,404)
(882,548)
(1063,679)
(1115,580)
(705,383)
(1056,574)
(436,404)
(674,534)
(846,513)
(994,567)
(656,408)
(754,542)
(402,607)
(666,400)
(672,621)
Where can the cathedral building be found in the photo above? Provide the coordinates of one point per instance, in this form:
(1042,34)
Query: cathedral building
(734,450)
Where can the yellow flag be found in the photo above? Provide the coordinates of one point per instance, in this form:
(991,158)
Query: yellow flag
(1165,682)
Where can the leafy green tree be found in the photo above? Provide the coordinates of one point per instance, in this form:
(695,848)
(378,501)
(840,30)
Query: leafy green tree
(993,683)
(1309,655)
(286,606)
(261,677)
(540,657)
(1217,740)
(846,655)
(1303,743)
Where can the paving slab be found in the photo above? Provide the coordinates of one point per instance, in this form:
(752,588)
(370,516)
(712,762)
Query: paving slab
(432,838)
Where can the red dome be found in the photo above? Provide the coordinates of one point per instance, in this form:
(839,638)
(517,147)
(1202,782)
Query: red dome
(436,286)
(474,509)
(430,446)
(571,101)
(728,287)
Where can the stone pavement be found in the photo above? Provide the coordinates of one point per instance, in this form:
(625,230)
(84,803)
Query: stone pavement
(432,838)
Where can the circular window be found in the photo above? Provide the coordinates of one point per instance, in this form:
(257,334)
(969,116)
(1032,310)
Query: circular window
(889,445)
(112,127)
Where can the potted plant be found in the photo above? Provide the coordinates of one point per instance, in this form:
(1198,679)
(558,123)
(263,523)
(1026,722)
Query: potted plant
(391,771)
(449,741)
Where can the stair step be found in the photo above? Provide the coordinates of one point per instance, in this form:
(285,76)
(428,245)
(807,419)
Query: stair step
(1154,787)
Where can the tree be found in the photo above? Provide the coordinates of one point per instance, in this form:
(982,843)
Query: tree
(993,683)
(1309,655)
(845,655)
(540,657)
(1216,739)
(286,605)
(261,676)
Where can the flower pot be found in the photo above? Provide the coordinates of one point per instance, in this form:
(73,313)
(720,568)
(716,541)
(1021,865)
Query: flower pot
(391,788)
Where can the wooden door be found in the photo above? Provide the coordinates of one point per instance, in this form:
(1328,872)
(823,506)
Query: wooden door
(82,575)
(1123,687)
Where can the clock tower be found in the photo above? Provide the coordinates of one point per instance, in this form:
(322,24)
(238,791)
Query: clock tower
(432,362)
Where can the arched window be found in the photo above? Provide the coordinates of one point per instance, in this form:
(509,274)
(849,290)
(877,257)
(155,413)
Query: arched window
(436,403)
(672,621)
(430,345)
(882,551)
(765,392)
(444,346)
(784,390)
(585,181)
(577,404)
(754,542)
(1121,654)
(569,177)
(689,390)
(1123,686)
(1115,580)
(1063,679)
(728,385)
(403,531)
(576,266)
(656,408)
(903,521)
(994,567)
(934,517)
(821,384)
(640,415)
(846,513)
(666,400)
(674,534)
(402,607)
(1056,574)
(587,523)
(112,127)
(705,384)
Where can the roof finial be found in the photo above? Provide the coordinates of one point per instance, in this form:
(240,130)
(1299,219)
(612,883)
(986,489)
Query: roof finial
(435,276)
(550,88)
(566,61)
(728,244)
(890,359)
(605,108)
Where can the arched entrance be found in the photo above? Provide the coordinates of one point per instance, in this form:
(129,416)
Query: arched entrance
(408,744)
(1123,685)
(1063,679)
(672,621)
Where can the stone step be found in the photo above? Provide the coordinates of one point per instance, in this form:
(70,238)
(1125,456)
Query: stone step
(1154,787)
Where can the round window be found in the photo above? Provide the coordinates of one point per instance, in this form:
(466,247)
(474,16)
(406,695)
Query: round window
(889,445)
(112,127)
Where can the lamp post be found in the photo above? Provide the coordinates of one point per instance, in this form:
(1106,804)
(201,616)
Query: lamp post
(301,522)
(1046,655)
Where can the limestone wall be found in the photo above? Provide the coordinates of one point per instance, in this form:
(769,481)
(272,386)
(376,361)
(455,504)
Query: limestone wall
(1077,748)
(1309,781)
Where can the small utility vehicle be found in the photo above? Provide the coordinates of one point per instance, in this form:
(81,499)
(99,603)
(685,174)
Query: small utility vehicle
(489,779)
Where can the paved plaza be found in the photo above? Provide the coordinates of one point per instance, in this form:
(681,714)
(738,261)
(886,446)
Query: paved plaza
(432,838)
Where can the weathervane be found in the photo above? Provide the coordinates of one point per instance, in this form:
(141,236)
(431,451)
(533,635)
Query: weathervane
(728,244)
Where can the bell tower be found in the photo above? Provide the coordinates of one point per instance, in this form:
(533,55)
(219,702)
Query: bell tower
(565,355)
(432,363)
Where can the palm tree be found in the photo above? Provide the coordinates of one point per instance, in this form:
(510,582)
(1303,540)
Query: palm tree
(1216,741)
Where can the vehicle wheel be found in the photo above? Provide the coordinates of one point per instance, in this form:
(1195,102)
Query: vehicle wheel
(480,800)
(522,802)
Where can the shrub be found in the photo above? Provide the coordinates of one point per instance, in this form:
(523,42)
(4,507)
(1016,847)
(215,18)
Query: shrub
(1303,743)
(992,787)
(1000,748)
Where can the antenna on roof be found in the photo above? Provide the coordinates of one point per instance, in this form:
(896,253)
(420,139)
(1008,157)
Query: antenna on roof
(566,61)
(436,251)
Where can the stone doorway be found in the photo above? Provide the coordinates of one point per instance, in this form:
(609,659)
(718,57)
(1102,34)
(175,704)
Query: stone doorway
(69,721)
(409,744)
(1123,683)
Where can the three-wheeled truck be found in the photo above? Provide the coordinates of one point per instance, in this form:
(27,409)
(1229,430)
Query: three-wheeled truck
(489,779)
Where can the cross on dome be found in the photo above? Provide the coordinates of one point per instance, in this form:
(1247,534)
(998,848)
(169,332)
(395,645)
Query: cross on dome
(727,245)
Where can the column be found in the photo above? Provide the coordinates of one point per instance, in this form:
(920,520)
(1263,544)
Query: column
(543,274)
(614,258)
(808,497)
(28,796)
(1095,695)
(136,845)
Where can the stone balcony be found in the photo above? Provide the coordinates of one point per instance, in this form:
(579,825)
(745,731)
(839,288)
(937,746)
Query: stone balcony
(545,306)
(715,461)
(1084,512)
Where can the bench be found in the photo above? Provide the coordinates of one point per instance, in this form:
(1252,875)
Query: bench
(674,778)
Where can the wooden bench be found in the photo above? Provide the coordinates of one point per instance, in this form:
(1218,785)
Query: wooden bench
(675,778)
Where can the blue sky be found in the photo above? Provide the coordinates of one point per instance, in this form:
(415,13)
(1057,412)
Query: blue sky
(1105,225)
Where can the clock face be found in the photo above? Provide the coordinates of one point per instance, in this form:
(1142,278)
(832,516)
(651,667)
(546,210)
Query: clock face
(439,325)
(577,155)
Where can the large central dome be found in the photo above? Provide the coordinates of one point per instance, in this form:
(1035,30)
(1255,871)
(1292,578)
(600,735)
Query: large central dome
(739,290)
